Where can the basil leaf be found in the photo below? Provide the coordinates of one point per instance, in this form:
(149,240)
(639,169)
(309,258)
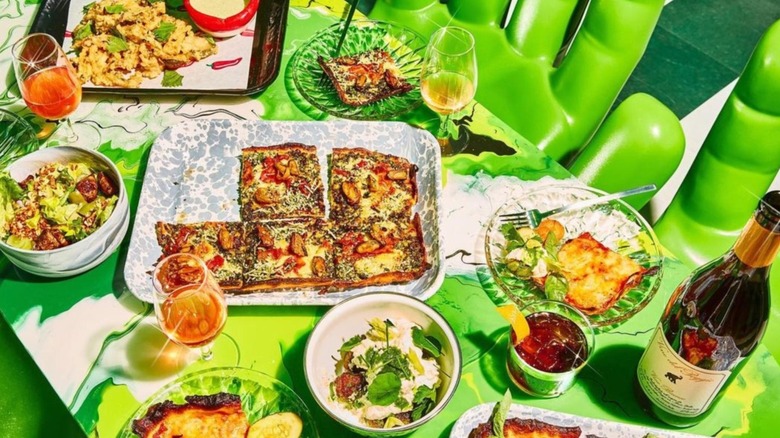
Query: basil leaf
(428,344)
(424,393)
(83,31)
(116,44)
(384,390)
(171,78)
(350,343)
(164,31)
(551,245)
(114,9)
(555,287)
(87,7)
(500,411)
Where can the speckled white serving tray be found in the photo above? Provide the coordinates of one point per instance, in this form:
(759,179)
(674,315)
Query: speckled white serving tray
(590,427)
(193,173)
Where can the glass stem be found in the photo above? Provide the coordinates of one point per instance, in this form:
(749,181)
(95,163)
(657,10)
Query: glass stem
(206,353)
(69,133)
(443,127)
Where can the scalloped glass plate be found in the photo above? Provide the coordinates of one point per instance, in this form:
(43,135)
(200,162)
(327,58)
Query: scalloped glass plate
(405,46)
(614,224)
(261,396)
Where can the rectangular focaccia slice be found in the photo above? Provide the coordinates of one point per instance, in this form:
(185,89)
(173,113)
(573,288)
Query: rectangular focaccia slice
(366,186)
(221,245)
(288,254)
(384,252)
(517,428)
(365,78)
(597,276)
(281,181)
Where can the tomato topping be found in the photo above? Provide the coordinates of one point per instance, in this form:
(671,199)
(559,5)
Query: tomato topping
(340,172)
(380,168)
(361,164)
(276,253)
(215,263)
(246,174)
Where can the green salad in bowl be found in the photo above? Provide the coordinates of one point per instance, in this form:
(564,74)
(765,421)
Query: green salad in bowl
(61,204)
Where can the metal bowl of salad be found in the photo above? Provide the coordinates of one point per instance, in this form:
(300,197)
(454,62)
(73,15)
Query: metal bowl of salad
(382,364)
(62,210)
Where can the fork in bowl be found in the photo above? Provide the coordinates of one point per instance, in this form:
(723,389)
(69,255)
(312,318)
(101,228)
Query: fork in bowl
(532,218)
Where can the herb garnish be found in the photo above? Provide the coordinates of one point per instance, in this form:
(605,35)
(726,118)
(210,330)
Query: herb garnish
(384,390)
(498,417)
(427,344)
(116,44)
(164,31)
(171,78)
(116,8)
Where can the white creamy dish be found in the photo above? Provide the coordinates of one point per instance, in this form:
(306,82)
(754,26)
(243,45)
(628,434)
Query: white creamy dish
(388,376)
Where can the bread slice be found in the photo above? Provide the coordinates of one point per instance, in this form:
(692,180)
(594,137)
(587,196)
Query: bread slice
(365,78)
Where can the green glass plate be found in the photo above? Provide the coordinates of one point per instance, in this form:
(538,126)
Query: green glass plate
(261,396)
(614,224)
(404,46)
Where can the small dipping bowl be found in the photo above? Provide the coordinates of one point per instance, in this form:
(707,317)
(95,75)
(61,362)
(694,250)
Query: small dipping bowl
(219,24)
(559,318)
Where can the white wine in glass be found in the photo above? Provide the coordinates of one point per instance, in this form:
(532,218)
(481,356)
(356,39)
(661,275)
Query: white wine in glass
(449,75)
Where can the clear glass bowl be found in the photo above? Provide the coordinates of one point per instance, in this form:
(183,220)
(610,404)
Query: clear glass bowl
(406,47)
(261,395)
(609,223)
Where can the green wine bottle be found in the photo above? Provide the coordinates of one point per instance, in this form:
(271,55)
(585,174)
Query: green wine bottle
(712,323)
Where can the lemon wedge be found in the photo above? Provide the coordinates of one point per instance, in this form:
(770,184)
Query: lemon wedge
(512,314)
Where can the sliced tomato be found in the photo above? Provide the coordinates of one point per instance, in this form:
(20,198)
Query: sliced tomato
(215,263)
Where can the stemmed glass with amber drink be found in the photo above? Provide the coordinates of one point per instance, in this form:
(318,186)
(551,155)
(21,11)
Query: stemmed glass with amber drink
(189,304)
(47,80)
(449,76)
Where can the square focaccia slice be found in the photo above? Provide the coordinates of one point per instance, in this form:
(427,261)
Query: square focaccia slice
(366,186)
(221,245)
(385,252)
(365,78)
(288,254)
(280,181)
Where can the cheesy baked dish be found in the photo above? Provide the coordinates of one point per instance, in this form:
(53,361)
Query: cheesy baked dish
(582,271)
(119,43)
(215,416)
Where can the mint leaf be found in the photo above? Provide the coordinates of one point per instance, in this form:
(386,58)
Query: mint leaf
(171,78)
(83,31)
(424,393)
(116,44)
(551,245)
(500,411)
(164,31)
(428,344)
(555,287)
(350,343)
(114,9)
(384,390)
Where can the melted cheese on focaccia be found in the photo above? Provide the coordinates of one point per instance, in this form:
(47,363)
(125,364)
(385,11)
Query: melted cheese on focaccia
(597,276)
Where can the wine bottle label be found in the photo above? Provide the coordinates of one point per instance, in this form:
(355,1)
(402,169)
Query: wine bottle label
(672,383)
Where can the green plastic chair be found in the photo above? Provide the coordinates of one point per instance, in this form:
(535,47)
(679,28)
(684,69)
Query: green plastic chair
(560,107)
(734,168)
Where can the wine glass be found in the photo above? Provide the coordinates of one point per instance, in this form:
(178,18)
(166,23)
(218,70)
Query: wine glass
(47,80)
(449,76)
(189,304)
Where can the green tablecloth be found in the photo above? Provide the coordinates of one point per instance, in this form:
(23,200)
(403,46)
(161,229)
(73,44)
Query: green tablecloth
(100,349)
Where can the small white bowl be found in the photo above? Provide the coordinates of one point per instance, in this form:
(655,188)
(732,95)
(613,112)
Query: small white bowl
(82,255)
(349,318)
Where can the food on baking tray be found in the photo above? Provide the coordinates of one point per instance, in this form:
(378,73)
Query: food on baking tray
(582,271)
(500,426)
(118,43)
(382,252)
(221,245)
(283,254)
(367,185)
(389,375)
(218,415)
(280,182)
(284,242)
(61,204)
(365,78)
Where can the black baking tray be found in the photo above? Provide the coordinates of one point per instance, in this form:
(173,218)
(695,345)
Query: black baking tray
(264,66)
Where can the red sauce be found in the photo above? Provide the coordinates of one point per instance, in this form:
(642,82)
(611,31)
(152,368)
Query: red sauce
(556,344)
